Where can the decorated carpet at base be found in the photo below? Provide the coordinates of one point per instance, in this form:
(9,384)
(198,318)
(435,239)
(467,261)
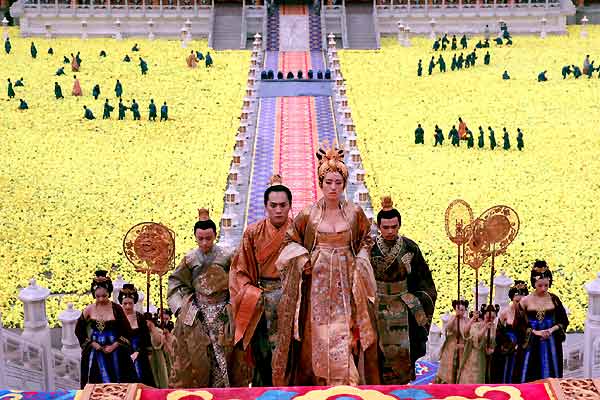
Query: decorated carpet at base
(550,390)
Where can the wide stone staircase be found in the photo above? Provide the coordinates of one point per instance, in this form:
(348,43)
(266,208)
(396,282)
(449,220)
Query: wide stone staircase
(227,27)
(360,26)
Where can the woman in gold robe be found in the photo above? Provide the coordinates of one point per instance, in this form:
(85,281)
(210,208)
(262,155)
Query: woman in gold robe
(328,285)
(451,353)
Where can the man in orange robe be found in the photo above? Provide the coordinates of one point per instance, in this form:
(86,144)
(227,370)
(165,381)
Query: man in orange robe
(462,129)
(255,287)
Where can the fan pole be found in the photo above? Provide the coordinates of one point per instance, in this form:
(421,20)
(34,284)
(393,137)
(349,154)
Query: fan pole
(160,290)
(458,294)
(148,290)
(476,290)
(492,273)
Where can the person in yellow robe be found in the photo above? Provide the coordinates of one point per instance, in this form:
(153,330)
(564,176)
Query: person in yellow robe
(324,324)
(255,286)
(198,297)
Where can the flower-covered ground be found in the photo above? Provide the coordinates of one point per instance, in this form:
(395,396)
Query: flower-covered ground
(553,184)
(71,188)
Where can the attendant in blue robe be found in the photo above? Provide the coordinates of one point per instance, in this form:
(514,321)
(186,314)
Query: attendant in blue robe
(118,89)
(140,335)
(453,45)
(520,144)
(442,63)
(23,105)
(33,50)
(506,139)
(505,76)
(66,60)
(453,66)
(143,66)
(486,58)
(542,328)
(58,91)
(151,111)
(419,135)
(542,77)
(480,138)
(164,112)
(19,82)
(199,55)
(50,51)
(11,91)
(88,114)
(135,110)
(104,335)
(576,71)
(122,109)
(208,61)
(431,65)
(492,138)
(107,110)
(135,47)
(504,360)
(463,41)
(7,46)
(96,91)
(420,68)
(126,58)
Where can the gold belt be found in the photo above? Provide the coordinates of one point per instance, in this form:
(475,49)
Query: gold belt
(392,288)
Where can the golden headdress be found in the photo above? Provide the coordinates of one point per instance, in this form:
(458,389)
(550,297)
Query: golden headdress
(276,180)
(128,291)
(331,160)
(540,270)
(101,280)
(387,204)
(203,214)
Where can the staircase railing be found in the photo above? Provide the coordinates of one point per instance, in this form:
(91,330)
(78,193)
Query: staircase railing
(344,27)
(376,25)
(244,34)
(211,25)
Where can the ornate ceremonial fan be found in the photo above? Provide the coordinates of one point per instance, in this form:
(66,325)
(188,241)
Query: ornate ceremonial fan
(150,247)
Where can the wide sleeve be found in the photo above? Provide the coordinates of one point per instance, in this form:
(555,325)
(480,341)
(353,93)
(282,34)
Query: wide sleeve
(180,286)
(562,320)
(295,232)
(245,295)
(144,333)
(81,331)
(124,332)
(365,240)
(420,283)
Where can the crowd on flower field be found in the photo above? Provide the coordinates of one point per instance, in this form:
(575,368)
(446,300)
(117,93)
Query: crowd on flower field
(92,181)
(427,179)
(464,133)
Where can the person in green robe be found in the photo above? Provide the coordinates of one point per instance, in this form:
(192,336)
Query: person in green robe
(122,109)
(135,47)
(50,51)
(436,45)
(453,66)
(60,71)
(163,341)
(96,91)
(419,135)
(118,89)
(431,64)
(107,110)
(143,66)
(208,61)
(441,63)
(164,112)
(126,58)
(480,138)
(459,61)
(420,68)
(492,138)
(199,55)
(498,41)
(445,42)
(88,114)
(453,45)
(520,143)
(566,71)
(11,91)
(78,58)
(19,82)
(58,91)
(505,76)
(406,297)
(66,60)
(33,50)
(453,136)
(576,71)
(486,58)
(463,41)
(102,53)
(506,139)
(470,140)
(542,77)
(151,111)
(439,136)
(23,105)
(135,110)
(7,45)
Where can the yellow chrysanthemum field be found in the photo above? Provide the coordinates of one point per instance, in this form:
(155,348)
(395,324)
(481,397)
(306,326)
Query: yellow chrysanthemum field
(71,188)
(553,184)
